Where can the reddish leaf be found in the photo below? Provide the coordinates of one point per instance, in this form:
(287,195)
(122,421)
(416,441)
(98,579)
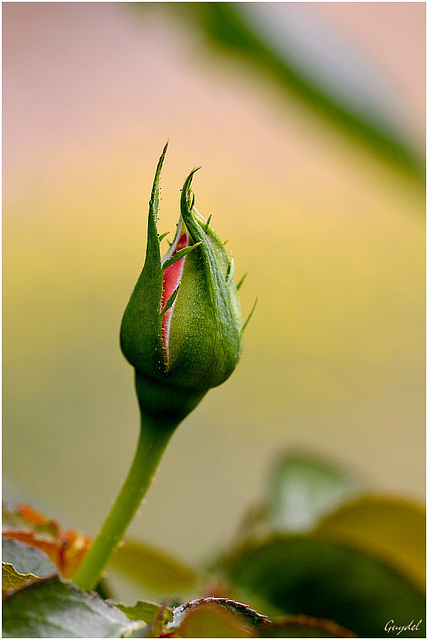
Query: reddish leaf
(65,548)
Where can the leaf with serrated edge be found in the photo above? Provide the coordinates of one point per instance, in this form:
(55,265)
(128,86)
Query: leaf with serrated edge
(245,617)
(55,608)
(206,622)
(12,579)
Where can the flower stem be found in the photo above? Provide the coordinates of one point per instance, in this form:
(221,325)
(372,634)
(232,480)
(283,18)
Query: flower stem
(151,445)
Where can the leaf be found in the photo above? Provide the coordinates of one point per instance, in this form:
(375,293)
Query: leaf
(55,608)
(27,560)
(12,579)
(159,624)
(388,528)
(304,489)
(215,618)
(303,627)
(153,568)
(145,610)
(303,575)
(25,518)
(65,548)
(206,622)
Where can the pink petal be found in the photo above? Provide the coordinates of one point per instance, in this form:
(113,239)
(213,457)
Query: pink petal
(171,280)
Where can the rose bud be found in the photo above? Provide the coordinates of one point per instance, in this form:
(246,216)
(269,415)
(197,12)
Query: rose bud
(182,328)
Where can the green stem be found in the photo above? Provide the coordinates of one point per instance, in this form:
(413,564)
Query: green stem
(152,443)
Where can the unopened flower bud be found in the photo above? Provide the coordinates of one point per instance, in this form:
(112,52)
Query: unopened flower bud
(182,328)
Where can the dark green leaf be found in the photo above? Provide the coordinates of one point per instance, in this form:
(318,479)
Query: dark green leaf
(304,489)
(55,608)
(388,528)
(26,559)
(303,575)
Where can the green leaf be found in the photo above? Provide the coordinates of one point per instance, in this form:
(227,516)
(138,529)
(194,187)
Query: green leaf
(146,611)
(156,570)
(303,575)
(26,559)
(159,624)
(304,488)
(55,608)
(215,618)
(12,579)
(303,627)
(388,528)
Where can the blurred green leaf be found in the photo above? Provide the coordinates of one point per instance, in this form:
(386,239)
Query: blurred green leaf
(230,27)
(215,618)
(304,488)
(156,570)
(26,559)
(206,622)
(303,575)
(146,611)
(392,530)
(303,627)
(55,608)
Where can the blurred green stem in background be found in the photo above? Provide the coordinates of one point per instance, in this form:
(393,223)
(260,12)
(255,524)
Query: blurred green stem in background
(232,29)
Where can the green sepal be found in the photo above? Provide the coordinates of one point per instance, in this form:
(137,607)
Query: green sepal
(141,329)
(170,301)
(244,326)
(241,282)
(180,254)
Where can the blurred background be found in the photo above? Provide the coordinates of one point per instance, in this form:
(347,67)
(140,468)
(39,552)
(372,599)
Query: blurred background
(309,122)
